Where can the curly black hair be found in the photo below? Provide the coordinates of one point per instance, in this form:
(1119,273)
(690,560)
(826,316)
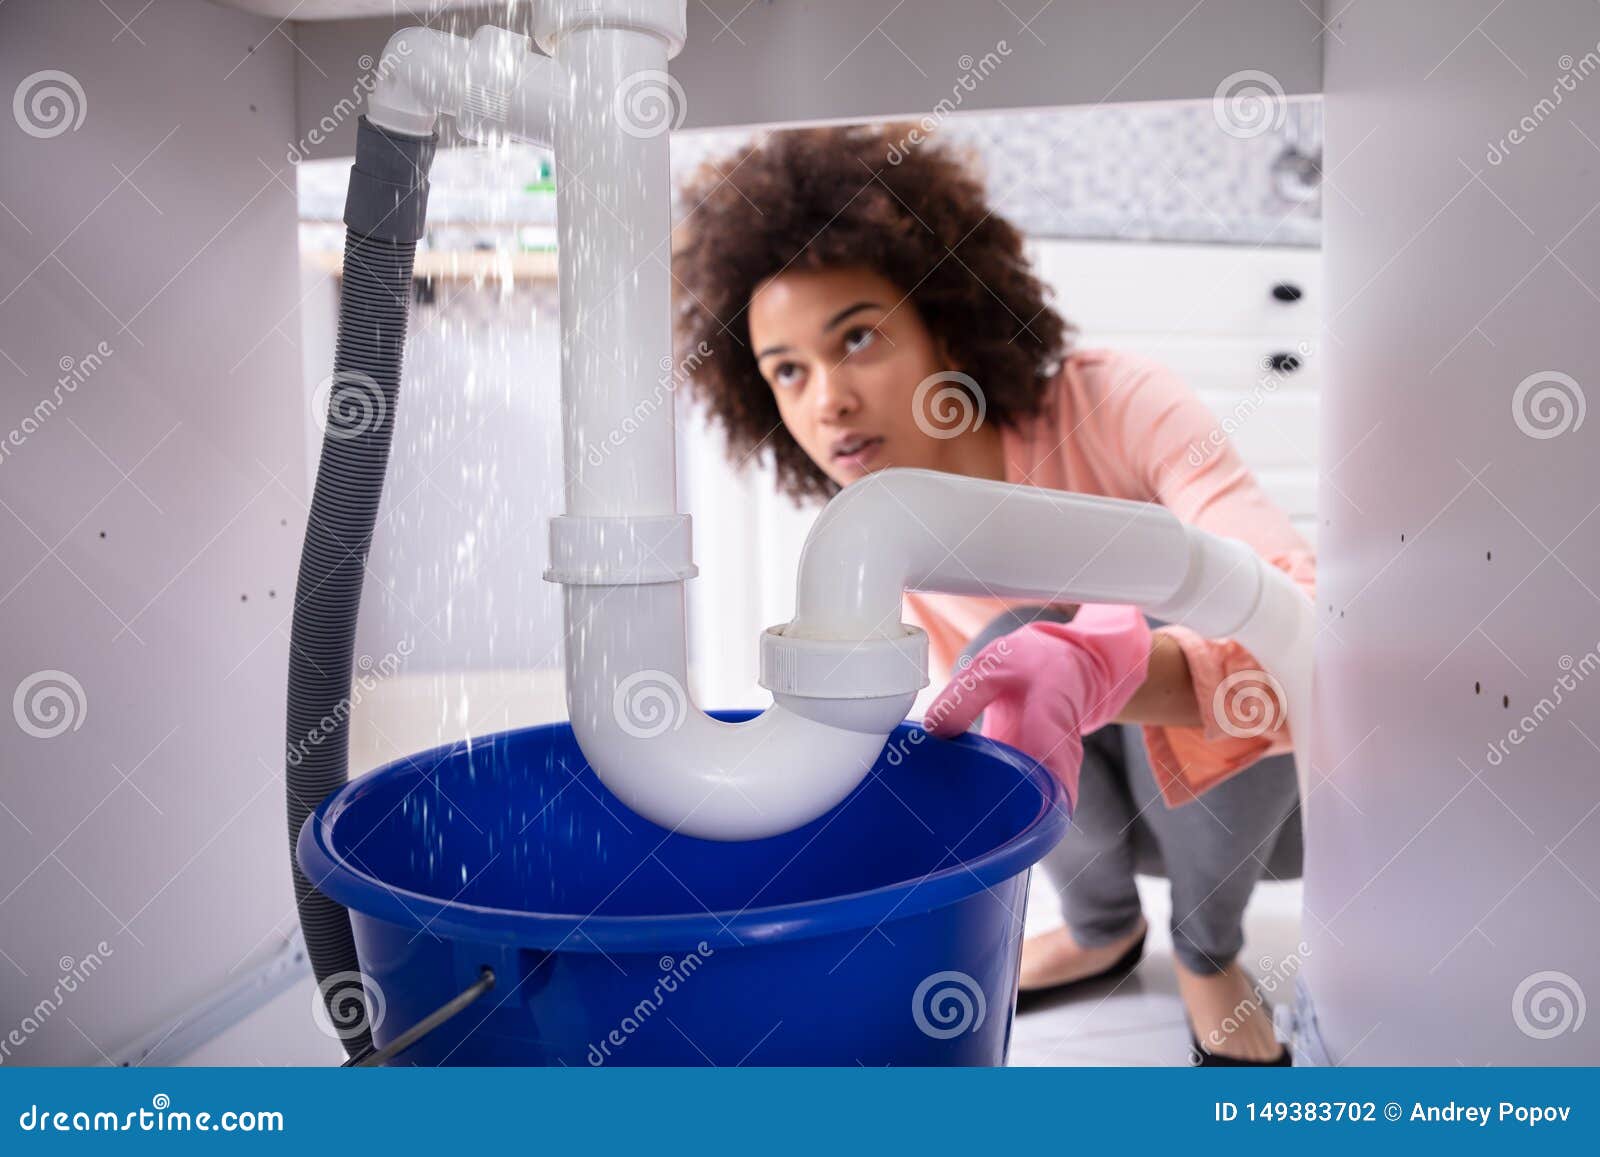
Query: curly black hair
(855,196)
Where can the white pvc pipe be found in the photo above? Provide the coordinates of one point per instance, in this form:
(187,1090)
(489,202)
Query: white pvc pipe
(419,78)
(614,220)
(846,670)
(627,681)
(493,84)
(889,532)
(900,530)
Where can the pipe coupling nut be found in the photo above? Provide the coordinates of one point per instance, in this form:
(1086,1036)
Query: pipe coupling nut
(874,668)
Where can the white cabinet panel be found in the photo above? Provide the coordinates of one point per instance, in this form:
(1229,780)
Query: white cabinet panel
(1210,313)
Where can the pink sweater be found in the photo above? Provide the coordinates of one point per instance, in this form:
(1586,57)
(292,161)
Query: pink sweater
(1125,426)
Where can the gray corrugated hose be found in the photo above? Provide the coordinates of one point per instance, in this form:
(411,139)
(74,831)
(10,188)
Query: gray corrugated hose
(384,214)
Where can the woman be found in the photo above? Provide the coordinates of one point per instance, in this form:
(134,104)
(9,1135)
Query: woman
(842,296)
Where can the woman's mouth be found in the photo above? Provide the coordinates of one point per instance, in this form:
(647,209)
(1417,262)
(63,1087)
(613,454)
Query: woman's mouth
(857,451)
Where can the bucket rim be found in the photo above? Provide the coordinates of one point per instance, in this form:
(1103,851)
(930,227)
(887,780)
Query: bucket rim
(359,890)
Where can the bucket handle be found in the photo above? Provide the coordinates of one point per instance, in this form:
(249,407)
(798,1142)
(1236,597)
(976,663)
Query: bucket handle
(377,1056)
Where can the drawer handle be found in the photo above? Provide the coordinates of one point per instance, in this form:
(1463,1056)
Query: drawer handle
(1287,291)
(1283,363)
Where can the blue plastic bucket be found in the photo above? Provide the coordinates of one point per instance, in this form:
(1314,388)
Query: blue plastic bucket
(886,932)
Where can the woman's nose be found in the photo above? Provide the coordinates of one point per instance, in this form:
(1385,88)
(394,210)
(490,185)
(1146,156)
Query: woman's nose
(836,398)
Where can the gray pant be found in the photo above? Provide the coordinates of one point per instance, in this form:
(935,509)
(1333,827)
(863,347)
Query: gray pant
(1213,849)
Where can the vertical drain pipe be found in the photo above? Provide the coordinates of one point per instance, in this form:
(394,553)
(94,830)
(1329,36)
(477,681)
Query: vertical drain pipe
(384,215)
(622,551)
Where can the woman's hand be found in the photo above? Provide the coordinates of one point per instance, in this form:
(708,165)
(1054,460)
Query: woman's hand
(1044,686)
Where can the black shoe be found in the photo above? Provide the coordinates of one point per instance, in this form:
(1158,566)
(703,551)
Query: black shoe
(1201,1058)
(1029,999)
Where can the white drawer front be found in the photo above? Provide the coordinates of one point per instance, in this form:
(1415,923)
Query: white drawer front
(1224,362)
(1112,287)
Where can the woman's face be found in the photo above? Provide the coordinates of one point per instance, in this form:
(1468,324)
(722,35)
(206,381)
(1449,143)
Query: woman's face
(844,351)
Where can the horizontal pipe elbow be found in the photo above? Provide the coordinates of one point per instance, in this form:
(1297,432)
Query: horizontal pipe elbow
(419,78)
(905,529)
(494,85)
(861,555)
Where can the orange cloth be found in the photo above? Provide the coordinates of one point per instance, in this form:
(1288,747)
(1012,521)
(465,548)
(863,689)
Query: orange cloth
(1124,426)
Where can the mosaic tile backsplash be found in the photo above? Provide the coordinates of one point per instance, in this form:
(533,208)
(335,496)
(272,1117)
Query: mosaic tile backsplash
(1149,172)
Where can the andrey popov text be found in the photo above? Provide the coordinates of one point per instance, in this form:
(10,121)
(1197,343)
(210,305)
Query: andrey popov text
(1448,1113)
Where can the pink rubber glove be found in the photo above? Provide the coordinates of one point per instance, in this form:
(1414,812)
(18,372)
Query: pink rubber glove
(1046,685)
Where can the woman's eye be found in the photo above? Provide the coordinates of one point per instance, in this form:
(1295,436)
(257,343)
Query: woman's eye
(787,375)
(859,338)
